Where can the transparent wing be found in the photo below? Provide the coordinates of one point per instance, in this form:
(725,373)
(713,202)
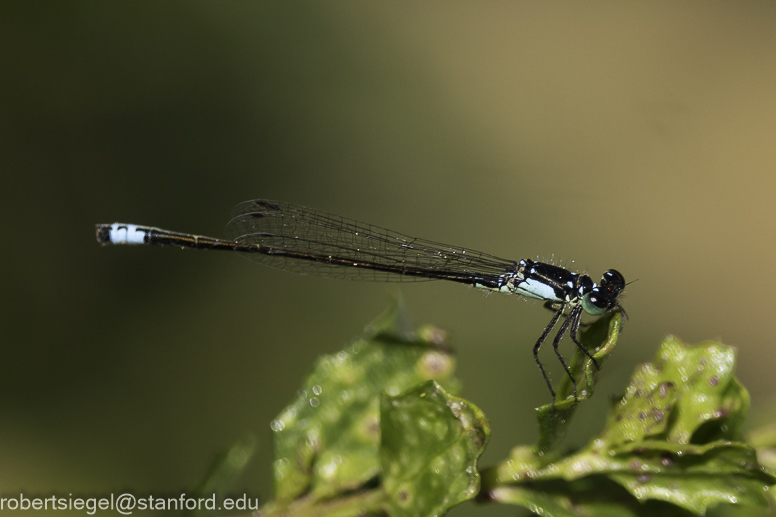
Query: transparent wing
(306,241)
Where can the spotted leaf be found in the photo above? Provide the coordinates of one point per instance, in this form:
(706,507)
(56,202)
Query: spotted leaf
(327,441)
(431,441)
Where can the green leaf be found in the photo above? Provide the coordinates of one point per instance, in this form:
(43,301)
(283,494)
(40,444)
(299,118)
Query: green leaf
(327,441)
(558,504)
(600,338)
(592,496)
(694,477)
(430,445)
(689,394)
(763,439)
(669,438)
(707,390)
(644,410)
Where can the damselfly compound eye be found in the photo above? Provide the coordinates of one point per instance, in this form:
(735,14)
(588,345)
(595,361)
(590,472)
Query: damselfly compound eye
(613,281)
(594,304)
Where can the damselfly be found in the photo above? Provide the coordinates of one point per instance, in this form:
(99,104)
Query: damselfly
(302,240)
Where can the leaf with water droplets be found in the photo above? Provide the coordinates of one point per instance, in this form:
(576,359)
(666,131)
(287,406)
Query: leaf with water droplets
(710,400)
(694,477)
(597,497)
(671,433)
(431,441)
(327,441)
(687,395)
(669,438)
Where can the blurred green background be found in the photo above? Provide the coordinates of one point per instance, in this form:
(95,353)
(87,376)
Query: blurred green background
(619,135)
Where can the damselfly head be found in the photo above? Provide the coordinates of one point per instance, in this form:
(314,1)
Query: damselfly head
(603,297)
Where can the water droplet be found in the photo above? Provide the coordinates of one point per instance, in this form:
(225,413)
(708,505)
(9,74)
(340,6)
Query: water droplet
(277,425)
(328,470)
(302,394)
(314,402)
(317,389)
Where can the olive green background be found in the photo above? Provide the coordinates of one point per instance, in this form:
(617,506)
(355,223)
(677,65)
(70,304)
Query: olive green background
(618,135)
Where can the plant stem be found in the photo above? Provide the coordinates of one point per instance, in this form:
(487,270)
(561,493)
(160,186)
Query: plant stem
(359,503)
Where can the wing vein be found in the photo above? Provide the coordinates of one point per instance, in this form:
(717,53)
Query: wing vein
(308,241)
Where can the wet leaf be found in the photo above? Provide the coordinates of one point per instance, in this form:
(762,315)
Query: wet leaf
(327,441)
(430,445)
(707,391)
(694,477)
(763,439)
(592,496)
(669,438)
